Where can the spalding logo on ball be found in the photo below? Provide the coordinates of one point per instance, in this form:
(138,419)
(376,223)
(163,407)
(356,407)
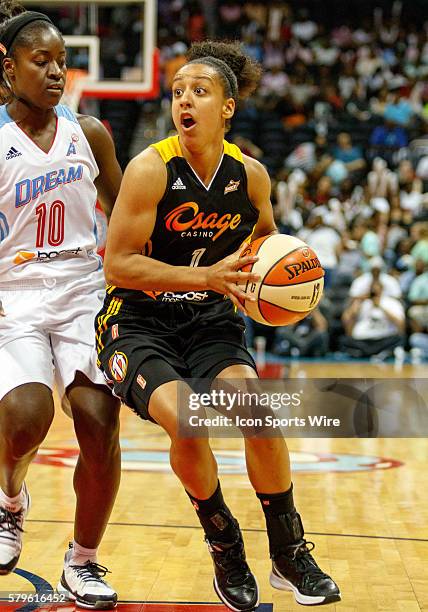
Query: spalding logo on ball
(291,280)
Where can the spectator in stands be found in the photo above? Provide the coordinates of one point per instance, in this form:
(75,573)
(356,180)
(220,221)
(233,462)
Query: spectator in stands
(409,268)
(173,62)
(418,299)
(420,250)
(411,197)
(361,286)
(369,241)
(357,105)
(323,191)
(350,260)
(398,110)
(196,27)
(230,14)
(247,146)
(386,140)
(419,146)
(326,243)
(374,325)
(349,154)
(308,338)
(304,28)
(378,103)
(368,62)
(274,82)
(381,181)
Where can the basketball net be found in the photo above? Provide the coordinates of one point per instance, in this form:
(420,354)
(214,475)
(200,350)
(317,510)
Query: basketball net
(76,78)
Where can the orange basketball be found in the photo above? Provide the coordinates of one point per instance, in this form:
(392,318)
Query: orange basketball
(291,280)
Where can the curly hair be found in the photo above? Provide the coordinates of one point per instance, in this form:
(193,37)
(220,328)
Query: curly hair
(247,71)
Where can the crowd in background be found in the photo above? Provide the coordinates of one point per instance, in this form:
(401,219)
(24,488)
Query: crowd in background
(340,120)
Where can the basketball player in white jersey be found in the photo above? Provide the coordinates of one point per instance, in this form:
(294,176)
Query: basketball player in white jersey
(52,165)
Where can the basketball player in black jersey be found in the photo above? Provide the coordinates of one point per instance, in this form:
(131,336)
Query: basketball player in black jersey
(186,206)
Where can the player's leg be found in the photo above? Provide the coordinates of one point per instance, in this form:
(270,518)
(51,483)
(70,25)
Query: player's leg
(96,481)
(193,462)
(293,567)
(145,378)
(96,421)
(26,413)
(97,475)
(191,458)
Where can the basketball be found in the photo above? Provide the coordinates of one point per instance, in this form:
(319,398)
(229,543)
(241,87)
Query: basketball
(291,280)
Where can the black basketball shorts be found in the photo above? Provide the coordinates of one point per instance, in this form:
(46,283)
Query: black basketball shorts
(141,349)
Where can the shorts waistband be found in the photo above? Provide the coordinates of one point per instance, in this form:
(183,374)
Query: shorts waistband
(37,283)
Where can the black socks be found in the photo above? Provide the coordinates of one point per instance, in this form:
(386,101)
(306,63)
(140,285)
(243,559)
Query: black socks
(283,523)
(215,517)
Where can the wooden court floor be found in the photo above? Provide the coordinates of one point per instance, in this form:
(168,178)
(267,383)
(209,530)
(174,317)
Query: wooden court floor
(369,524)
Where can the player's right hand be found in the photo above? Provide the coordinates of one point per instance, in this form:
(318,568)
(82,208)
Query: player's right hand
(227,277)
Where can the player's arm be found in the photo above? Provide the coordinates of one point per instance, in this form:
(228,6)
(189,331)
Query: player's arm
(110,174)
(259,190)
(131,226)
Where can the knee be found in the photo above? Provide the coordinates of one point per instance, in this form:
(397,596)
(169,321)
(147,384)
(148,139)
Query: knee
(98,433)
(24,425)
(260,446)
(189,446)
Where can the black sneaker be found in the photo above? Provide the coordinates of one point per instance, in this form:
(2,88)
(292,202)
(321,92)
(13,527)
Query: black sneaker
(233,581)
(298,572)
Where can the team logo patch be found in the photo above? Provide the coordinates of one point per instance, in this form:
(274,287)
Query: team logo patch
(74,138)
(115,331)
(231,186)
(44,256)
(141,381)
(187,219)
(118,364)
(179,184)
(13,153)
(23,256)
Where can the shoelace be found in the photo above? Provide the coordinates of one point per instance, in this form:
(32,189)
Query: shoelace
(233,563)
(306,563)
(9,523)
(91,571)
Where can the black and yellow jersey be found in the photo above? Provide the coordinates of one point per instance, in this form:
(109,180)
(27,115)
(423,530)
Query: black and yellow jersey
(196,225)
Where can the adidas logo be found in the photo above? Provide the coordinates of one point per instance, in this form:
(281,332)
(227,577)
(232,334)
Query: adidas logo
(13,153)
(179,184)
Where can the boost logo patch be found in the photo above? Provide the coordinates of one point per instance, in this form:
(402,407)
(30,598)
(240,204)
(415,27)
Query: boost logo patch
(118,364)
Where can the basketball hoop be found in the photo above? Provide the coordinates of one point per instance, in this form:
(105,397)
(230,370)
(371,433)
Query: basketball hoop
(76,78)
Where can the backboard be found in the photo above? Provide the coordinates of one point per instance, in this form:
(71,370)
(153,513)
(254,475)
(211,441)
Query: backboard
(112,40)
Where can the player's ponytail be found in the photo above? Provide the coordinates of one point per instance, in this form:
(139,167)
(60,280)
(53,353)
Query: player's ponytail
(240,73)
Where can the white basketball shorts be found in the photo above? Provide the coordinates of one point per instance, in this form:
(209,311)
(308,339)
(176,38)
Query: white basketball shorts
(47,334)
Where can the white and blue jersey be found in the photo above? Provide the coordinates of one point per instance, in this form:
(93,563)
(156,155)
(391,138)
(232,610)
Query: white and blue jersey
(47,203)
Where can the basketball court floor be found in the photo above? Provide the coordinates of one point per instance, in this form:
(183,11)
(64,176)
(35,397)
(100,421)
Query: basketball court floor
(364,504)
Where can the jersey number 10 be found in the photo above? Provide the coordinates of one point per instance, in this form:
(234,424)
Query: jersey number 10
(55,221)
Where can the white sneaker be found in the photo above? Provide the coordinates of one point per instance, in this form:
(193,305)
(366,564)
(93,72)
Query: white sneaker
(84,585)
(11,534)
